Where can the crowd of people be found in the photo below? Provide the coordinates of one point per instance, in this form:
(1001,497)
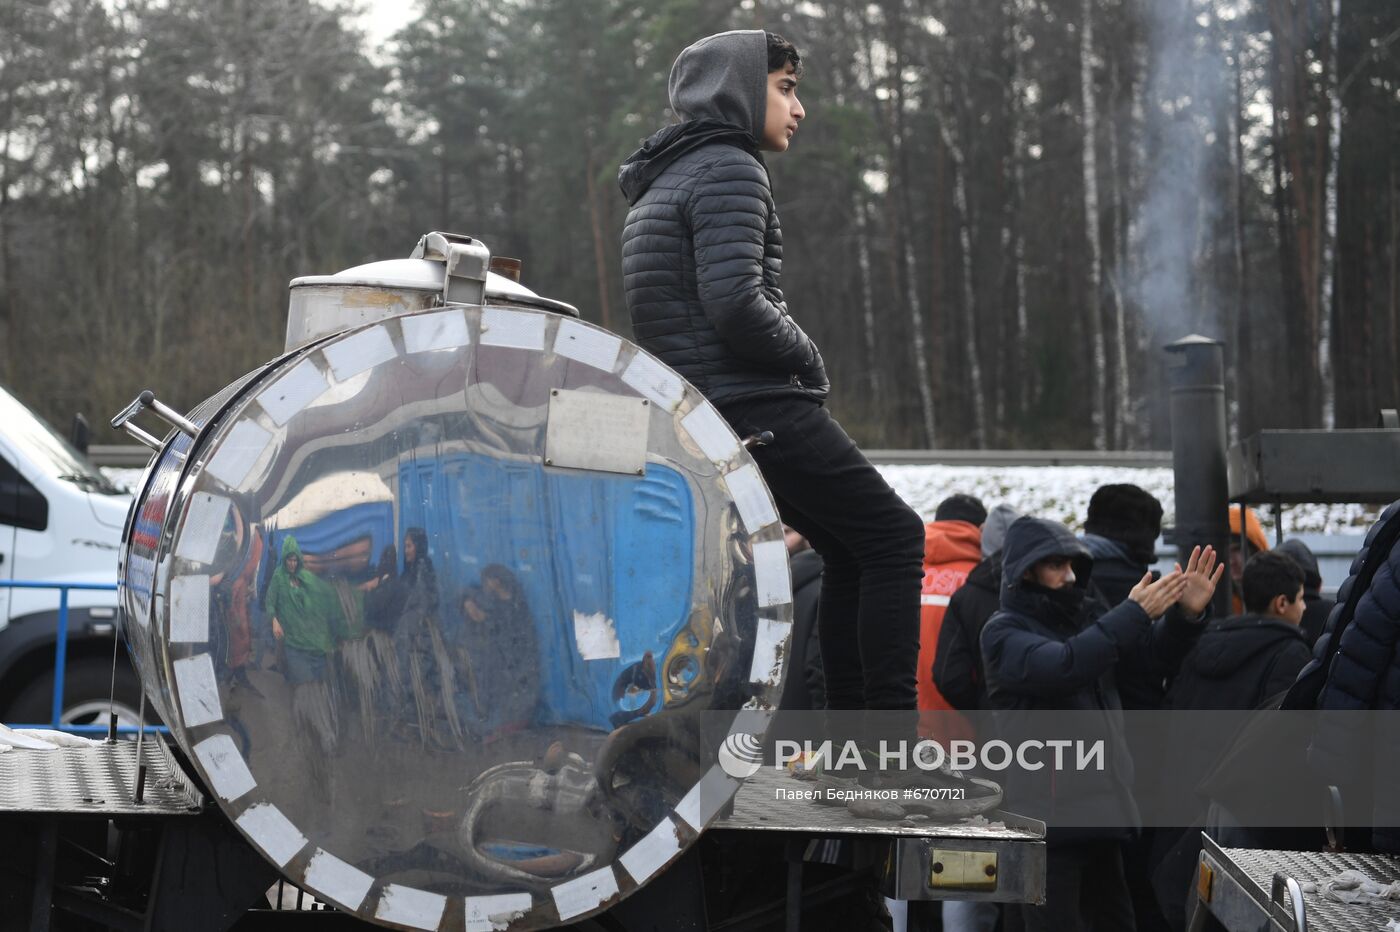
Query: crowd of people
(1019,615)
(385,648)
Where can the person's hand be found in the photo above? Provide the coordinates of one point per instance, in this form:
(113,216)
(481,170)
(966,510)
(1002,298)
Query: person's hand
(276,629)
(1156,597)
(1201,576)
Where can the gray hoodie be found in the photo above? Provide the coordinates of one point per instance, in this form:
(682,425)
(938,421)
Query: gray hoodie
(723,77)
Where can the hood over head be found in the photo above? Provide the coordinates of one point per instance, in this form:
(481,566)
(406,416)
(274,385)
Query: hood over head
(951,542)
(994,528)
(290,548)
(666,145)
(1253,530)
(1030,540)
(1307,562)
(723,77)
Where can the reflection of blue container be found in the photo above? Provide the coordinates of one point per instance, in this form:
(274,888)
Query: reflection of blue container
(583,545)
(337,530)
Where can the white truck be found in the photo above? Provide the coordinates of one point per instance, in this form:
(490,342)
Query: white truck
(60,522)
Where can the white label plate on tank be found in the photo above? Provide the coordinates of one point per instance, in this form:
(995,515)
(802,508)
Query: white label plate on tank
(227,769)
(770,566)
(270,830)
(711,433)
(423,333)
(654,381)
(495,913)
(189,610)
(751,496)
(591,430)
(768,641)
(587,345)
(239,452)
(358,352)
(705,798)
(336,880)
(583,893)
(650,854)
(291,394)
(514,329)
(199,690)
(204,524)
(409,906)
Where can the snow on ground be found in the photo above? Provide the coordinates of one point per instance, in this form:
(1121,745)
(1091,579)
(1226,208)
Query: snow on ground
(1062,493)
(1058,492)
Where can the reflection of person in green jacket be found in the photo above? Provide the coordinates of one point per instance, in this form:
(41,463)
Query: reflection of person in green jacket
(306,614)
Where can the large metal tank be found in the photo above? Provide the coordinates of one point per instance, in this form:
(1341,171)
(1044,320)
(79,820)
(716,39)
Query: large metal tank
(454,606)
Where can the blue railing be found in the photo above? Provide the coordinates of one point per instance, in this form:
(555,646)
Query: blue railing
(60,660)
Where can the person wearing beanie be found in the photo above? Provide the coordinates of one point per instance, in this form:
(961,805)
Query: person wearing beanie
(702,254)
(961,507)
(1121,531)
(1319,607)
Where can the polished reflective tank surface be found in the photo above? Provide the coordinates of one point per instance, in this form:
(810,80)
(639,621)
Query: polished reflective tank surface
(443,609)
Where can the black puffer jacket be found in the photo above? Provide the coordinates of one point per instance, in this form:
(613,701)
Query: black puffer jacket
(702,250)
(957,664)
(1059,651)
(1364,675)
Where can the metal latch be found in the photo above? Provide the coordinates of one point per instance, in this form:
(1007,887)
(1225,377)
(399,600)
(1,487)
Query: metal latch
(467,261)
(962,870)
(147,399)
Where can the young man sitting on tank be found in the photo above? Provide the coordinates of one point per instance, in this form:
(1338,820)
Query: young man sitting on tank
(702,263)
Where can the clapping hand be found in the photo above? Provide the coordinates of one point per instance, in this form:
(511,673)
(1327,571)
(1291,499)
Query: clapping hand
(1202,574)
(1156,597)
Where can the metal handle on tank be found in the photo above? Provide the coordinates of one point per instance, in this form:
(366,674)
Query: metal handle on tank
(147,399)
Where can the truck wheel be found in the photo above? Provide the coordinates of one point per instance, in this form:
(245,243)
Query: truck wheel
(86,687)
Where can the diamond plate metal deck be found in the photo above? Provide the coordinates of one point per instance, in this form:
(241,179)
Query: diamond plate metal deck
(92,780)
(1253,871)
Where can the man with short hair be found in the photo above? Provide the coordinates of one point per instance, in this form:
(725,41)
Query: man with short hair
(1238,663)
(702,262)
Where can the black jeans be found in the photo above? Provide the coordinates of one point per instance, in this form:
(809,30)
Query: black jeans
(1085,889)
(871,542)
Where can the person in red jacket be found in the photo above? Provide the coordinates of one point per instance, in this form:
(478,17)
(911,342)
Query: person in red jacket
(952,547)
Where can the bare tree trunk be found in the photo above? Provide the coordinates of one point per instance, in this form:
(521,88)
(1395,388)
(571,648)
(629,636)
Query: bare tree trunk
(969,284)
(600,250)
(901,251)
(1243,421)
(1326,306)
(1122,436)
(867,304)
(1097,350)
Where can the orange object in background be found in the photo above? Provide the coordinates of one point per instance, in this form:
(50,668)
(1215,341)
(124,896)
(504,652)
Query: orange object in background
(951,550)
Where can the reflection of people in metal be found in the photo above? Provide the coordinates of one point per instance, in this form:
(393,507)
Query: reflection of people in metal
(303,608)
(233,590)
(368,664)
(425,661)
(499,659)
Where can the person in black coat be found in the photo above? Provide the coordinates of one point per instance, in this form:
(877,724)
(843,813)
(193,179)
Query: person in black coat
(1238,663)
(1319,607)
(702,255)
(1365,675)
(1051,648)
(957,664)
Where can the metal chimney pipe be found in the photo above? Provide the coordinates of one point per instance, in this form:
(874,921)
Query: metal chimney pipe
(1196,373)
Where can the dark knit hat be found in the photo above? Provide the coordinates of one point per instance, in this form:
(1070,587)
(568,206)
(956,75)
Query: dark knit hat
(1128,514)
(961,507)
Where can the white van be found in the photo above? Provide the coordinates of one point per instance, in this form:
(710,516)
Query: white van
(60,521)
